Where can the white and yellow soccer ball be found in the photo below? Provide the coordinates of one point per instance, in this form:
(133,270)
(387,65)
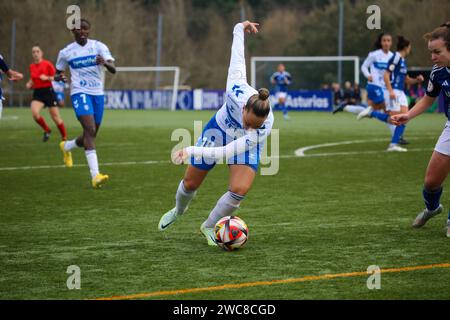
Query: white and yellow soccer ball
(231,233)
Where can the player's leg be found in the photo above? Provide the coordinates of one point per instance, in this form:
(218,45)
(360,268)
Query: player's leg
(436,173)
(355,109)
(89,134)
(397,107)
(241,180)
(376,99)
(282,103)
(36,108)
(56,117)
(98,104)
(1,107)
(187,189)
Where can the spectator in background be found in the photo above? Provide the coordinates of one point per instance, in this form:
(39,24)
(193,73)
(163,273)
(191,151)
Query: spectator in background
(357,94)
(414,92)
(351,101)
(338,94)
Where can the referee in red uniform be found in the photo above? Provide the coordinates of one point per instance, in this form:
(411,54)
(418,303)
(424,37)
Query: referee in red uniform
(42,73)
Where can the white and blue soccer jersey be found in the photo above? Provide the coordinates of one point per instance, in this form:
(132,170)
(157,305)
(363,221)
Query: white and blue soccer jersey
(399,70)
(86,76)
(440,82)
(375,65)
(282,80)
(228,121)
(239,91)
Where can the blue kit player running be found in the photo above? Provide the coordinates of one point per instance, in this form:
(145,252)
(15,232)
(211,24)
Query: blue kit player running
(439,166)
(87,60)
(59,87)
(235,136)
(12,76)
(282,79)
(395,77)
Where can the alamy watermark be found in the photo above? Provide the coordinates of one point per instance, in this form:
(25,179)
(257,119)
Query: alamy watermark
(74,20)
(374,20)
(374,280)
(74,280)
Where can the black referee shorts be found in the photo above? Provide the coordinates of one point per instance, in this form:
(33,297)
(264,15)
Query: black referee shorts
(47,96)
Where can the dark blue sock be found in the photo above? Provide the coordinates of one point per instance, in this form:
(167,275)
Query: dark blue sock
(432,198)
(283,107)
(398,133)
(380,116)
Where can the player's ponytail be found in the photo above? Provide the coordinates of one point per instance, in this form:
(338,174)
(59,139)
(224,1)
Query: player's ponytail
(402,43)
(442,32)
(259,103)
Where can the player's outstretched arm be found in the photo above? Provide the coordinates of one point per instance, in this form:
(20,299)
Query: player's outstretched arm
(14,75)
(237,70)
(424,103)
(237,147)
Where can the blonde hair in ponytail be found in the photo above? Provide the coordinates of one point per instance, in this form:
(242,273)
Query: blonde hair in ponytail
(259,103)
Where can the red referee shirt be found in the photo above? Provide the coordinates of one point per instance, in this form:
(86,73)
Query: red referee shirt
(45,67)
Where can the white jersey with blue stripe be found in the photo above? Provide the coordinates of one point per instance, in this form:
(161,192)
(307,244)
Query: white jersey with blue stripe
(375,65)
(86,76)
(229,117)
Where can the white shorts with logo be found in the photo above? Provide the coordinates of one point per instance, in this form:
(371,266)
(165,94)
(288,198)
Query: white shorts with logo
(443,144)
(395,104)
(281,95)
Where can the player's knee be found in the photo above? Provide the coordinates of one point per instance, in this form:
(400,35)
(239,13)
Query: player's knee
(190,184)
(432,183)
(90,132)
(240,190)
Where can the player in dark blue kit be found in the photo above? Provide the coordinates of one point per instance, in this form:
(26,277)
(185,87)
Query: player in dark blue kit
(281,79)
(439,166)
(12,76)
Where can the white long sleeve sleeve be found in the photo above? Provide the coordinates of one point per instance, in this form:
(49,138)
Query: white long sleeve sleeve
(366,65)
(236,147)
(251,140)
(237,72)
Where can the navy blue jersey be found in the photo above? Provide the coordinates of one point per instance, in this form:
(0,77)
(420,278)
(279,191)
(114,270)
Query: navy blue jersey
(4,67)
(282,80)
(440,82)
(399,69)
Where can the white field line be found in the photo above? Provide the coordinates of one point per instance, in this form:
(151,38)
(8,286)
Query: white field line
(300,153)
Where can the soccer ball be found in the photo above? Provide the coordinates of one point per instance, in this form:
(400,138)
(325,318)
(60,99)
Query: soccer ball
(231,233)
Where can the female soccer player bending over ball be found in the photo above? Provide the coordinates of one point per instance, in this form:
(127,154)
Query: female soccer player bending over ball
(235,134)
(439,166)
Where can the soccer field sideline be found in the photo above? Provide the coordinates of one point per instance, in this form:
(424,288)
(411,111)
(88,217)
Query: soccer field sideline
(300,153)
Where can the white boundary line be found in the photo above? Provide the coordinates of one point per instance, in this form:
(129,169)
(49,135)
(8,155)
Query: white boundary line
(300,153)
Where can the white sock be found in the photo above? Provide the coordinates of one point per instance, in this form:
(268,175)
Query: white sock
(183,198)
(1,107)
(392,128)
(354,109)
(91,156)
(226,205)
(69,145)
